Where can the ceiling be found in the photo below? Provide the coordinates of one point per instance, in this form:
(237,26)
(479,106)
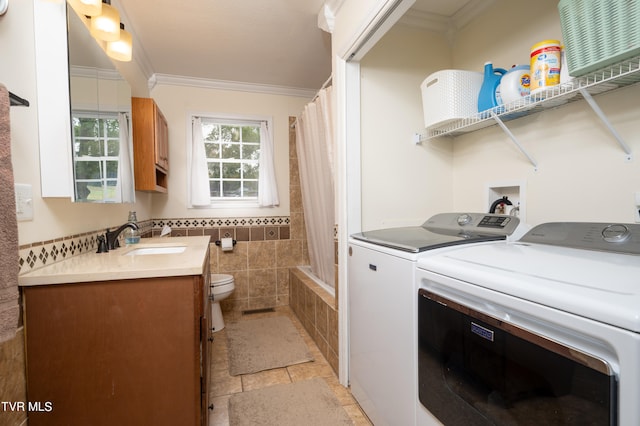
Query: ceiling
(275,42)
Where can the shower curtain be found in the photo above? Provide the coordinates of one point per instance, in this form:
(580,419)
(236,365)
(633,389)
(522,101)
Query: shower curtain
(315,146)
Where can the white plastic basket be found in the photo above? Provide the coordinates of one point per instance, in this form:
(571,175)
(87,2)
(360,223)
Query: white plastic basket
(599,33)
(450,95)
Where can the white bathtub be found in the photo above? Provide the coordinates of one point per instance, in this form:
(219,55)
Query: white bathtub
(306,269)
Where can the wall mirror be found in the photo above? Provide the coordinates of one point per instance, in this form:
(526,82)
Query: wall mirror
(100,116)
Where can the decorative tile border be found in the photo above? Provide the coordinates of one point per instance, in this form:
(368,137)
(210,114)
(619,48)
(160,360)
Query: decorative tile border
(36,255)
(183,223)
(240,229)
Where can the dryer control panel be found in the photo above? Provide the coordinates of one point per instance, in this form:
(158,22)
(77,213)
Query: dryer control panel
(610,237)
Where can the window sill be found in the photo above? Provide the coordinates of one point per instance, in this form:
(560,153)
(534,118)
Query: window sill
(229,204)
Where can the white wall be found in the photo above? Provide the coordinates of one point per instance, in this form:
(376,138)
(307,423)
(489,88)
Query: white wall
(177,101)
(582,174)
(402,183)
(53,217)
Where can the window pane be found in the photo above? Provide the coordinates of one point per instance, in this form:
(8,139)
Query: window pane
(113,128)
(88,170)
(250,171)
(88,148)
(214,188)
(231,170)
(212,150)
(82,191)
(250,134)
(84,127)
(113,148)
(250,152)
(250,189)
(112,169)
(230,133)
(95,191)
(231,151)
(214,170)
(210,132)
(231,189)
(111,190)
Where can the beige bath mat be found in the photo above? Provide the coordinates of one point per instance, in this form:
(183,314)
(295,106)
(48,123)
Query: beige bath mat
(265,343)
(309,403)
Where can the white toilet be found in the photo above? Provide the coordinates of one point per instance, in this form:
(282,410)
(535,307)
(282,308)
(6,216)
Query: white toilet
(222,285)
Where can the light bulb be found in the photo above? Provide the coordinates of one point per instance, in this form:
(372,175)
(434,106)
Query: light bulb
(121,49)
(106,26)
(86,7)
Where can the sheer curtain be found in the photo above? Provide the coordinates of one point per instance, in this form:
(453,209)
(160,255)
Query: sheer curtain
(267,185)
(125,171)
(200,192)
(315,146)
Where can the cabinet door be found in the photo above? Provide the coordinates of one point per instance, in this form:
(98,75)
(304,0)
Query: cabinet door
(150,145)
(161,141)
(115,352)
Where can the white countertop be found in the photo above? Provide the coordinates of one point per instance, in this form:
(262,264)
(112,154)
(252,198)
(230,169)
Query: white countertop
(117,265)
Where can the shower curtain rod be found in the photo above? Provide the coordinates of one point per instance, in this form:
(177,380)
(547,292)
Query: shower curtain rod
(324,85)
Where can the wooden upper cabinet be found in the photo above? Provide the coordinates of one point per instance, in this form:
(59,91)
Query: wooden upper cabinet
(150,145)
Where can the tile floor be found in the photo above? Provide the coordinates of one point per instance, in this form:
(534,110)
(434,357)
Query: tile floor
(223,385)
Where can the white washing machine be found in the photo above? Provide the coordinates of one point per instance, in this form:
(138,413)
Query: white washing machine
(383,306)
(545,330)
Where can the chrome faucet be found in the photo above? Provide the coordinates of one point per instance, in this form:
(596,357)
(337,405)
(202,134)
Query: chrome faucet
(112,236)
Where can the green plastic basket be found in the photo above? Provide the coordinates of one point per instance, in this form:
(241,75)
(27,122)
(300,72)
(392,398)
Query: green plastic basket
(599,33)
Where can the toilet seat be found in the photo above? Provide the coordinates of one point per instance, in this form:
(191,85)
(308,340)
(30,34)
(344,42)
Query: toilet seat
(221,279)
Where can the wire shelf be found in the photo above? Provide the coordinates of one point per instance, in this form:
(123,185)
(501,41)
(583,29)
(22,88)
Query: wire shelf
(613,77)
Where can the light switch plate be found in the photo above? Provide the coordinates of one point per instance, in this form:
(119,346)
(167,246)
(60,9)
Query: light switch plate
(24,201)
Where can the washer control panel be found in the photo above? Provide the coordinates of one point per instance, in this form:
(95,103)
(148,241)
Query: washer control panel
(485,223)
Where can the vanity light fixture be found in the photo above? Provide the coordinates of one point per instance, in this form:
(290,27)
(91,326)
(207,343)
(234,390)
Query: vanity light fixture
(106,26)
(121,49)
(87,7)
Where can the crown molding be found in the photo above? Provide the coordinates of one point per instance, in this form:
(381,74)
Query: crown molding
(469,12)
(236,86)
(441,24)
(426,21)
(90,72)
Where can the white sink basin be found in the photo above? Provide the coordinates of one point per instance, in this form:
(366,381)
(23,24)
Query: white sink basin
(156,250)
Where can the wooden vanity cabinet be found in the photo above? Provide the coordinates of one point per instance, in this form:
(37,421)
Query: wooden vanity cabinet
(129,352)
(150,145)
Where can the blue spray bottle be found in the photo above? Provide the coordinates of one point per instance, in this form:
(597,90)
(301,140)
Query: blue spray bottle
(487,96)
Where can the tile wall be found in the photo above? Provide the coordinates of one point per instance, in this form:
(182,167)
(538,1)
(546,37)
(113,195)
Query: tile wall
(318,313)
(265,249)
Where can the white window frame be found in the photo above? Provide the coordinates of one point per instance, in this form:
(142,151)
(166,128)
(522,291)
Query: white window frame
(103,159)
(223,203)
